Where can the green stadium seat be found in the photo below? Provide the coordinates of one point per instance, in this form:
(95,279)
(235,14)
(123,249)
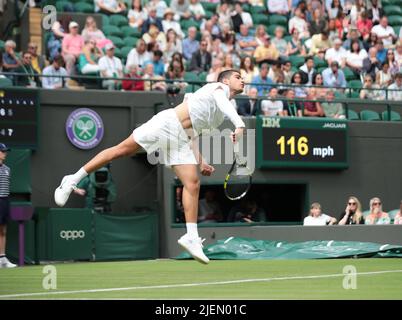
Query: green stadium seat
(278,19)
(349,74)
(271,29)
(392,10)
(356,85)
(296,60)
(369,115)
(84,7)
(210,6)
(125,51)
(397,29)
(130,42)
(353,115)
(208,14)
(62,6)
(259,18)
(131,32)
(319,63)
(118,53)
(5,82)
(118,20)
(395,20)
(117,41)
(255,9)
(105,20)
(47,3)
(203,76)
(185,24)
(395,116)
(112,31)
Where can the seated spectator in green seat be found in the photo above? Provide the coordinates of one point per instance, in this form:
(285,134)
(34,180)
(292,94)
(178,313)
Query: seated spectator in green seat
(56,71)
(29,76)
(317,218)
(272,107)
(370,90)
(291,108)
(333,109)
(376,215)
(110,67)
(353,213)
(395,89)
(137,84)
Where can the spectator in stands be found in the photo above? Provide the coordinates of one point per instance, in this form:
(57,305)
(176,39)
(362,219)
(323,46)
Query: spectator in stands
(291,108)
(319,44)
(260,34)
(308,70)
(275,72)
(29,76)
(136,84)
(356,9)
(38,62)
(342,24)
(11,61)
(299,23)
(176,71)
(381,51)
(384,78)
(385,32)
(157,61)
(152,19)
(371,64)
(278,7)
(287,72)
(247,70)
(272,107)
(55,73)
(312,108)
(229,47)
(395,89)
(201,59)
(393,64)
(209,209)
(352,36)
(318,24)
(333,77)
(371,91)
(298,85)
(137,15)
(190,44)
(155,39)
(353,213)
(169,23)
(246,41)
(333,32)
(91,32)
(364,25)
(280,43)
(110,67)
(217,66)
(317,218)
(56,38)
(72,47)
(227,62)
(212,27)
(376,215)
(173,44)
(88,59)
(355,57)
(138,55)
(248,211)
(110,6)
(398,54)
(181,9)
(197,10)
(267,52)
(248,107)
(398,216)
(261,81)
(159,5)
(159,85)
(336,53)
(371,41)
(332,109)
(239,17)
(375,11)
(295,46)
(224,14)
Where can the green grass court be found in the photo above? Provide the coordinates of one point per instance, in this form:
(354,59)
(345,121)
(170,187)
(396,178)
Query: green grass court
(171,279)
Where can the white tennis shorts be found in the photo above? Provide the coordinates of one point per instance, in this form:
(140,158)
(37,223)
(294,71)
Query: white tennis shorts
(164,132)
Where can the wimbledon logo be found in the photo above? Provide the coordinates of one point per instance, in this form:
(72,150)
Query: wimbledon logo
(84,128)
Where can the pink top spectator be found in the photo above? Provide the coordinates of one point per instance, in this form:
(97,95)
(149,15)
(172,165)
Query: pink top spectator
(73,44)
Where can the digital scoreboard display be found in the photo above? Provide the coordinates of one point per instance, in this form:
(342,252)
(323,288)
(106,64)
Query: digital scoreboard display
(302,143)
(19,114)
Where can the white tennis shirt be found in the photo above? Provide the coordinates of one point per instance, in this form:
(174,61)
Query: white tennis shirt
(209,105)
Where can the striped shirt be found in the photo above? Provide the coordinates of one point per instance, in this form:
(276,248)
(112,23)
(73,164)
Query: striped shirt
(4,180)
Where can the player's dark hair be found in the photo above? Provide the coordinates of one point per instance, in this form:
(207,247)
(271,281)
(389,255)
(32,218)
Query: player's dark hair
(226,74)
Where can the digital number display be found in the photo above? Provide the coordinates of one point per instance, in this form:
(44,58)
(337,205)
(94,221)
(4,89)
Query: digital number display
(302,143)
(19,112)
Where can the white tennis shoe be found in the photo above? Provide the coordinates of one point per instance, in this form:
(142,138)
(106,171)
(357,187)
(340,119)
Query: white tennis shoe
(194,247)
(62,193)
(5,263)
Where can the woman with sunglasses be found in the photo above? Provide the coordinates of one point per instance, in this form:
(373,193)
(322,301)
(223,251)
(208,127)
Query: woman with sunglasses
(377,216)
(353,212)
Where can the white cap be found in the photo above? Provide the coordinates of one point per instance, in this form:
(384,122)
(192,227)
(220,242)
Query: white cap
(109,46)
(72,24)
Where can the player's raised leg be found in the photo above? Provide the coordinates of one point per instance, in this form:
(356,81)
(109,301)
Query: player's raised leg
(191,242)
(125,148)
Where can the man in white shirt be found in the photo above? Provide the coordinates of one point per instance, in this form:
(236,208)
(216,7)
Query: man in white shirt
(138,55)
(245,16)
(272,108)
(336,53)
(395,89)
(110,67)
(299,23)
(278,7)
(385,32)
(57,72)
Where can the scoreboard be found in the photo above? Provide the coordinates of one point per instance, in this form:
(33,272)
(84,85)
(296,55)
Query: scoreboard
(19,115)
(284,142)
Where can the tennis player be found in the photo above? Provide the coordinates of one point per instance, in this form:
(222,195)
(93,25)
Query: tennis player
(168,131)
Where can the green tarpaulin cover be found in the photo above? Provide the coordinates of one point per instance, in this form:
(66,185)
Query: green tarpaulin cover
(246,249)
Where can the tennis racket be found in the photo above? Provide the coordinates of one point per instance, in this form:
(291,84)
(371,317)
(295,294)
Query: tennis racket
(238,179)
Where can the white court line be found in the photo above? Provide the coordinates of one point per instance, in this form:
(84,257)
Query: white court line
(185,285)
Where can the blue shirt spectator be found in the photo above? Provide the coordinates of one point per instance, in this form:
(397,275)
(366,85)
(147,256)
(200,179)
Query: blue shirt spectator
(159,66)
(56,71)
(262,82)
(190,44)
(333,76)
